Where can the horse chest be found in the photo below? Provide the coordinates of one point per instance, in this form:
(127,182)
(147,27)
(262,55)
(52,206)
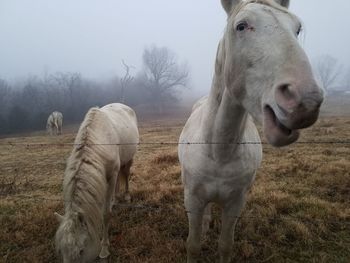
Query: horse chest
(216,181)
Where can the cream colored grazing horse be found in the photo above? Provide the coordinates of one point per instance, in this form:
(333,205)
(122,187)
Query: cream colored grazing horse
(104,148)
(54,123)
(262,75)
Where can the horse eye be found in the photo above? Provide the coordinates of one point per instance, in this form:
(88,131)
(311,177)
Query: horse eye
(81,252)
(299,30)
(242,26)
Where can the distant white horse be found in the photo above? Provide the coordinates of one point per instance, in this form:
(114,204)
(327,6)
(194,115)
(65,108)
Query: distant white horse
(104,148)
(261,74)
(54,123)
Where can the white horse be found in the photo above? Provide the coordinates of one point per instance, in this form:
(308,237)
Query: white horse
(104,148)
(261,74)
(54,123)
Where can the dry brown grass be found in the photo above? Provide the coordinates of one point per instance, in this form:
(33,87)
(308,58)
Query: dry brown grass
(297,211)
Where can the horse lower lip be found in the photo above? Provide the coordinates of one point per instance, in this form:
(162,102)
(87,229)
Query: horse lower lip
(275,121)
(275,132)
(283,128)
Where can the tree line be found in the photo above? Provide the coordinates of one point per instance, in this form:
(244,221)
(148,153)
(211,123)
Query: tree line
(26,105)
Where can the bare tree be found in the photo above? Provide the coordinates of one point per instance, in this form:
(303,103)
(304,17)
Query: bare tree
(67,81)
(5,92)
(70,83)
(163,74)
(125,81)
(328,71)
(347,80)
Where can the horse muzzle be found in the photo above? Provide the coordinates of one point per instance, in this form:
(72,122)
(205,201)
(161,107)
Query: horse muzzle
(293,109)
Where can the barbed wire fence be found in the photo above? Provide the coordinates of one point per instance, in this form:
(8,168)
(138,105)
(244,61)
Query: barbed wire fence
(171,143)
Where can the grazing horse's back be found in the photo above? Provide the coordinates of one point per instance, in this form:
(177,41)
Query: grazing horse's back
(124,122)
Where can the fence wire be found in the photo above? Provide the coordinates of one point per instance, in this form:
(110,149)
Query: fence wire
(170,143)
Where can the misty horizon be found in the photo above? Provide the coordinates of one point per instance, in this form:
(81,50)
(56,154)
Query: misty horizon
(93,38)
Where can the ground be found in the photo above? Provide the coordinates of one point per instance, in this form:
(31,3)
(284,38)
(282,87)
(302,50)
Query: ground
(297,211)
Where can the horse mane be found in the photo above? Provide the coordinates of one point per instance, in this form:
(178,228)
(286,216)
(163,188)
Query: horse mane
(85,185)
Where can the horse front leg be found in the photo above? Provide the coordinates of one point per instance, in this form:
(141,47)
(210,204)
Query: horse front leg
(194,209)
(230,214)
(206,219)
(108,214)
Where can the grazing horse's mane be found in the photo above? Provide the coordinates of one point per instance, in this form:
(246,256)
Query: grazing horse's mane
(84,184)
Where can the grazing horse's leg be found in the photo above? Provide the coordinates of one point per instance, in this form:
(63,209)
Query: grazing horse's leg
(61,124)
(194,208)
(56,129)
(230,214)
(126,172)
(123,178)
(117,188)
(108,213)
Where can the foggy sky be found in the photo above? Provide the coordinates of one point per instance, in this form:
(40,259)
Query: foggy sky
(93,36)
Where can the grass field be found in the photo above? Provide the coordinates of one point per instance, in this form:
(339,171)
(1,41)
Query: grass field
(297,211)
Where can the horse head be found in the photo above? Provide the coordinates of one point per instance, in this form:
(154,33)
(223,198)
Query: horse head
(74,242)
(266,70)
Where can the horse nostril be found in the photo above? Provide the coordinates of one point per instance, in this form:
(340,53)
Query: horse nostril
(286,97)
(284,89)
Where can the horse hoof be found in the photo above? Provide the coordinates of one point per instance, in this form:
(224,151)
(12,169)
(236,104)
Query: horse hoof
(104,253)
(127,199)
(205,228)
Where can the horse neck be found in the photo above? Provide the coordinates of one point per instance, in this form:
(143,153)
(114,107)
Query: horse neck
(82,198)
(226,119)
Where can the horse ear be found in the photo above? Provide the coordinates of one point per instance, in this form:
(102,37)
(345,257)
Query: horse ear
(228,5)
(284,3)
(58,217)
